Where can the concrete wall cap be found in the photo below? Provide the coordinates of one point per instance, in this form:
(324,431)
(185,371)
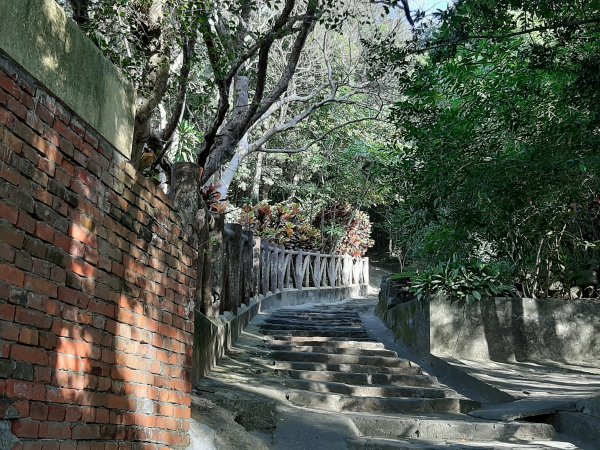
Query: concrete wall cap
(38,36)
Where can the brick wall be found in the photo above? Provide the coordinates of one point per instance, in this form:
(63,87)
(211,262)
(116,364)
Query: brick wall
(96,282)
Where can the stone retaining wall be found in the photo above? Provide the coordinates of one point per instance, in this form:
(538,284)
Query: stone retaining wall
(500,329)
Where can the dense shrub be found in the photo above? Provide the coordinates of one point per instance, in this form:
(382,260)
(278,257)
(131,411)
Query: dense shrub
(283,224)
(346,230)
(469,282)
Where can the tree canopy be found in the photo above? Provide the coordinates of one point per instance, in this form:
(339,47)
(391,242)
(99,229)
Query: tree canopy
(472,132)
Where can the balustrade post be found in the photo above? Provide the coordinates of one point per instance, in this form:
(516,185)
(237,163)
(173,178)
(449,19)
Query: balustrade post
(281,268)
(299,275)
(288,269)
(306,270)
(317,271)
(366,279)
(274,260)
(265,266)
(256,275)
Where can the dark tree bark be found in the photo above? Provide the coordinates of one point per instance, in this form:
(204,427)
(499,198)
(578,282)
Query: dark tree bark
(80,11)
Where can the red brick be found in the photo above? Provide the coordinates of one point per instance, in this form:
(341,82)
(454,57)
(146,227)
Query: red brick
(10,86)
(7,118)
(9,213)
(26,390)
(56,413)
(12,275)
(82,268)
(42,374)
(31,355)
(38,411)
(86,431)
(77,249)
(31,446)
(46,166)
(67,133)
(11,237)
(62,241)
(25,428)
(41,286)
(28,336)
(102,415)
(55,430)
(44,114)
(10,175)
(7,312)
(83,235)
(77,348)
(7,253)
(34,122)
(19,109)
(44,231)
(26,222)
(4,349)
(73,414)
(73,297)
(32,317)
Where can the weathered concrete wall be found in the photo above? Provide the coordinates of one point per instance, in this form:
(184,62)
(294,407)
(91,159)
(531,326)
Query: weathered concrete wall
(213,338)
(410,323)
(40,38)
(500,329)
(97,279)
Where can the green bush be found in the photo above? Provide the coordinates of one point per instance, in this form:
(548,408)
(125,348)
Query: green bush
(283,224)
(469,282)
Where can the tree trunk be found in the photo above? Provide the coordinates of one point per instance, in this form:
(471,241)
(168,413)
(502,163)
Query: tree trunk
(227,175)
(255,194)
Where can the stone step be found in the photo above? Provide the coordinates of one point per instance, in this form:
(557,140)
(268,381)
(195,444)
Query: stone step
(389,444)
(340,402)
(320,314)
(336,350)
(364,378)
(308,327)
(346,368)
(336,333)
(323,341)
(370,391)
(453,427)
(334,358)
(315,322)
(315,319)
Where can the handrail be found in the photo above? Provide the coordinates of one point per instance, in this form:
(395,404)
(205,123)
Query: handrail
(237,267)
(281,268)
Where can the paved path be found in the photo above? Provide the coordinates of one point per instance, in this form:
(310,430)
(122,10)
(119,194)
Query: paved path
(313,377)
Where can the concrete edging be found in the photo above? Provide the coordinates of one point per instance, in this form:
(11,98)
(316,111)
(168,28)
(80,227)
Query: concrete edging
(38,36)
(213,338)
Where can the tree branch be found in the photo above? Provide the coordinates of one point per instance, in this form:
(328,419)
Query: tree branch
(541,28)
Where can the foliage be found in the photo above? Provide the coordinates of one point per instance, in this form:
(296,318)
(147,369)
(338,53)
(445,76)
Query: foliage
(212,199)
(404,276)
(283,224)
(469,282)
(345,230)
(189,138)
(499,141)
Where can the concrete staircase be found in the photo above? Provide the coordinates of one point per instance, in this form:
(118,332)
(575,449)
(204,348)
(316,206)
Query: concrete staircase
(328,362)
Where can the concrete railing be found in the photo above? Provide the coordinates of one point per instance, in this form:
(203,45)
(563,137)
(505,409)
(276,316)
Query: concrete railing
(281,268)
(243,266)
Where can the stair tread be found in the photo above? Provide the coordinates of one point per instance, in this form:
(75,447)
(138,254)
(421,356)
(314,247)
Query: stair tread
(364,378)
(371,390)
(367,443)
